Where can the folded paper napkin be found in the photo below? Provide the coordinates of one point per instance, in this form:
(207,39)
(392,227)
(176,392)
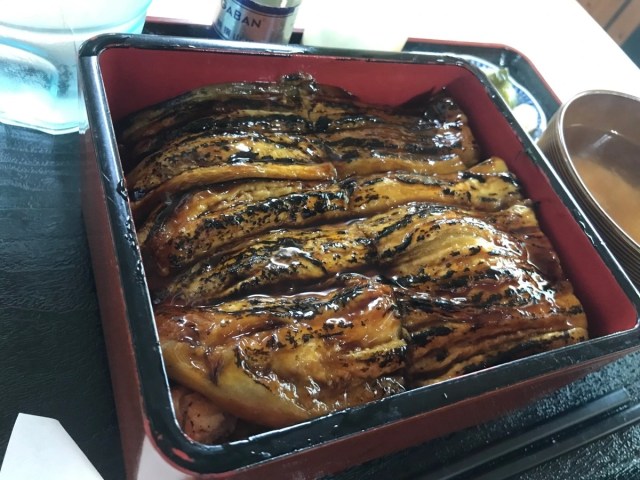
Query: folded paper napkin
(39,447)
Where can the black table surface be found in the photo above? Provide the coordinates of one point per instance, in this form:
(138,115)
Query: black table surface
(53,360)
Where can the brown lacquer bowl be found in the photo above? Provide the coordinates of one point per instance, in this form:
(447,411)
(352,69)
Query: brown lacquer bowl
(594,143)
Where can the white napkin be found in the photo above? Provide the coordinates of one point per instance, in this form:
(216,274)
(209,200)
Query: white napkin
(40,447)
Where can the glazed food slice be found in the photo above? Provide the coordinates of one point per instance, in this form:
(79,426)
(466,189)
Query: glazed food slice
(148,130)
(385,147)
(310,252)
(196,177)
(475,292)
(202,223)
(206,150)
(295,122)
(292,104)
(470,188)
(431,245)
(195,205)
(408,243)
(453,335)
(277,261)
(432,137)
(289,358)
(181,235)
(439,248)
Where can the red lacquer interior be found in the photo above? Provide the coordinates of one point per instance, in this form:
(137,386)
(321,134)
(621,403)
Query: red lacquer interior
(138,78)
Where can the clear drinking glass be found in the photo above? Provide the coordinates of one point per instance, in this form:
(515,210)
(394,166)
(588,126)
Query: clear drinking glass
(39,42)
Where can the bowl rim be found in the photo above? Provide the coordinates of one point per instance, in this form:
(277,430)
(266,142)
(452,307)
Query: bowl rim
(591,203)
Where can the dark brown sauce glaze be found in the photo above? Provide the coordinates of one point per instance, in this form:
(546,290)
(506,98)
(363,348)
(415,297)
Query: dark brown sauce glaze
(307,353)
(304,112)
(307,252)
(200,222)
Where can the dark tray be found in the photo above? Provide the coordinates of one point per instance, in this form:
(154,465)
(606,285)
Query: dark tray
(371,430)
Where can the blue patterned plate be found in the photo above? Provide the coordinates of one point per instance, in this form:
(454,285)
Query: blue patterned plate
(524,106)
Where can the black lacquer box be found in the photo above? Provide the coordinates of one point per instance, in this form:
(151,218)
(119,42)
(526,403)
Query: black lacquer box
(122,73)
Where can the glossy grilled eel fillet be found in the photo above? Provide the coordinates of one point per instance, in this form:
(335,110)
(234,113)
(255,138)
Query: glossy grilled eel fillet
(294,129)
(201,222)
(277,360)
(307,252)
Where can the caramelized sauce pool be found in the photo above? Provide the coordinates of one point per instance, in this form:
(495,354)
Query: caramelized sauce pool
(610,170)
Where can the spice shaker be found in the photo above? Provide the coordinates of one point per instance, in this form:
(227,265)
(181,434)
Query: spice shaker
(269,21)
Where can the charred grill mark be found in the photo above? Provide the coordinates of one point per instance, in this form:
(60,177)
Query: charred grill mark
(267,122)
(347,121)
(411,180)
(396,249)
(347,147)
(409,218)
(425,336)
